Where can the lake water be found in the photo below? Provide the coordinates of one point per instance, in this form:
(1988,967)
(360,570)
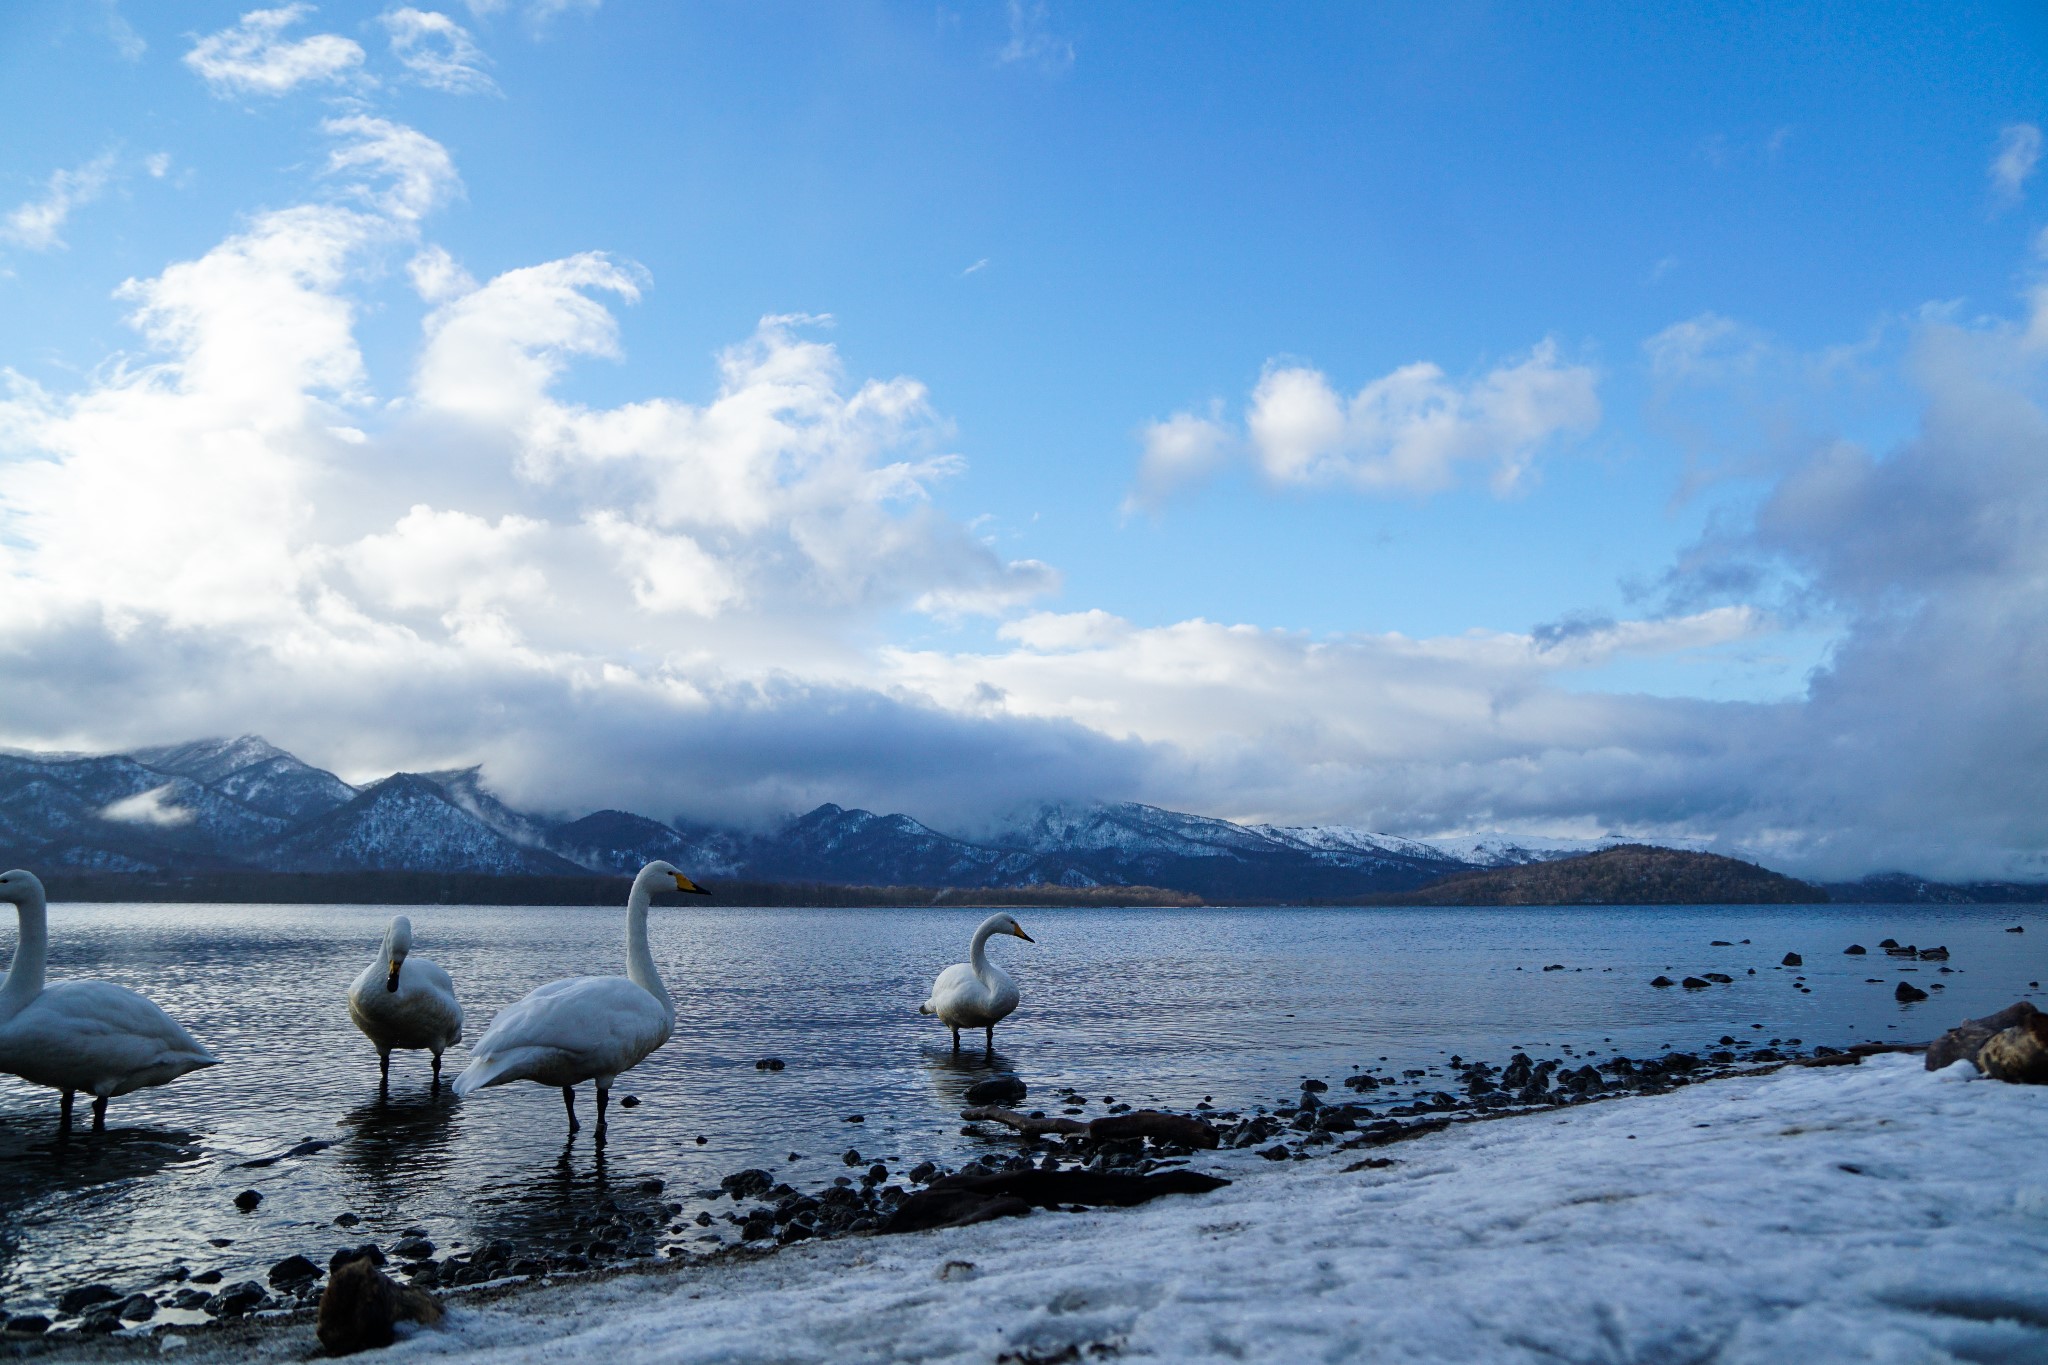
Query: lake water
(1161,1007)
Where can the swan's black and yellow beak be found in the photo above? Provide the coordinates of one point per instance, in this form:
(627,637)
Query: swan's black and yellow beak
(391,978)
(1018,930)
(685,884)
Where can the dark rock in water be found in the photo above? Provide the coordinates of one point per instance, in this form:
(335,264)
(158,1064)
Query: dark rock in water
(748,1184)
(237,1299)
(1662,981)
(768,1064)
(2017,929)
(1888,943)
(1322,1087)
(1693,983)
(28,1325)
(293,1272)
(362,1305)
(136,1308)
(75,1301)
(347,1220)
(368,1251)
(852,1157)
(922,1171)
(1854,950)
(653,1185)
(1277,1152)
(856,1118)
(247,1201)
(414,1249)
(189,1299)
(997,1090)
(1721,977)
(2018,1054)
(1720,943)
(99,1322)
(1934,954)
(207,1277)
(1962,1042)
(629,1102)
(1793,960)
(1908,993)
(959,1200)
(878,1173)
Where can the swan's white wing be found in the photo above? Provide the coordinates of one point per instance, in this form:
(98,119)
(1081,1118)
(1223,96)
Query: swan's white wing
(963,1000)
(566,1032)
(96,1036)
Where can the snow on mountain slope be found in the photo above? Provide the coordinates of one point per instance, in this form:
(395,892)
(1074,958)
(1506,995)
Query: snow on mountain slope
(1349,839)
(406,822)
(622,842)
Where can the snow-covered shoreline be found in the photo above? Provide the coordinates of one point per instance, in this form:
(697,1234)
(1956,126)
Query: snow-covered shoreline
(1876,1212)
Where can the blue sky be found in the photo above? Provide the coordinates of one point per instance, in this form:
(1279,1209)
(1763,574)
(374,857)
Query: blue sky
(1666,270)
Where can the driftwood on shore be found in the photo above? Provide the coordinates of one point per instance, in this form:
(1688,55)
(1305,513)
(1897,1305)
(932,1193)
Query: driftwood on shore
(2011,1045)
(957,1200)
(1140,1123)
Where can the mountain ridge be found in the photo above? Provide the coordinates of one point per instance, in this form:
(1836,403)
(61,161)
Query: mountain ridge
(222,806)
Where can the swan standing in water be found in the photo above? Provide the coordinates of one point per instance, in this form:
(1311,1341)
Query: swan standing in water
(584,1028)
(81,1035)
(976,993)
(407,1002)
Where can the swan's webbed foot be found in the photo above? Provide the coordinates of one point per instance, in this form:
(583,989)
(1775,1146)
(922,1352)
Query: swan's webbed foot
(64,1115)
(99,1114)
(569,1103)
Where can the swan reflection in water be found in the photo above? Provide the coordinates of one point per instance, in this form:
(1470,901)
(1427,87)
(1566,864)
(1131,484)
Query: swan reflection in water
(393,1143)
(952,1074)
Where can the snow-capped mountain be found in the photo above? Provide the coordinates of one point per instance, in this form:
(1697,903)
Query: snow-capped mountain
(244,803)
(406,822)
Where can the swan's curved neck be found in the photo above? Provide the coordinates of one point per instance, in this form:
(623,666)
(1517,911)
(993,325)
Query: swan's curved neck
(639,960)
(31,955)
(977,954)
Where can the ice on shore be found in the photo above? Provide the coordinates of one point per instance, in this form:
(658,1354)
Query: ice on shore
(1859,1213)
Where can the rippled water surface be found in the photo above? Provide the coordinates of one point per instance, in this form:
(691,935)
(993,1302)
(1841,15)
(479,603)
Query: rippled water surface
(1148,1006)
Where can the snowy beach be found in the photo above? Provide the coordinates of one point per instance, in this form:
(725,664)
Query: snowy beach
(1874,1212)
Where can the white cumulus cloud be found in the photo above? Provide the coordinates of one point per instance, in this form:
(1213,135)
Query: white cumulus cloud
(437,52)
(1412,431)
(2019,152)
(38,224)
(253,57)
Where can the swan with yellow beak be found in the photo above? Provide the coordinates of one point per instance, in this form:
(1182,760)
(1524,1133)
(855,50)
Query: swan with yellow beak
(976,993)
(585,1028)
(406,1002)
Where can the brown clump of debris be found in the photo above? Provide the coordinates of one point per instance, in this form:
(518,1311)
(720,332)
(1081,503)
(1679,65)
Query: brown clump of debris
(2011,1045)
(362,1307)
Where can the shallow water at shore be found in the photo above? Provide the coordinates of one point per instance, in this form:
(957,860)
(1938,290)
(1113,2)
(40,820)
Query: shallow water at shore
(1159,1007)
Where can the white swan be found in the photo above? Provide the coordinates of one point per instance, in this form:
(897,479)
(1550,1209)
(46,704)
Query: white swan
(401,1001)
(584,1028)
(976,993)
(81,1035)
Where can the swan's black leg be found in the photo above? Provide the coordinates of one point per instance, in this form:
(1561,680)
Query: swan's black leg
(991,1040)
(383,1072)
(64,1115)
(569,1103)
(604,1097)
(99,1113)
(437,1073)
(956,1040)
